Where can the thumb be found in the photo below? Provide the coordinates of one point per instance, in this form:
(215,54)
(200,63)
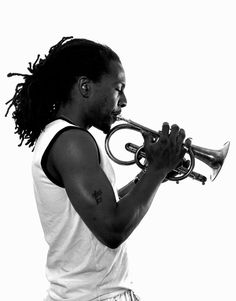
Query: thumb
(147,136)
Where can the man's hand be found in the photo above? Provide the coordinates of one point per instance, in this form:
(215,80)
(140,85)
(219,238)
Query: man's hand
(168,150)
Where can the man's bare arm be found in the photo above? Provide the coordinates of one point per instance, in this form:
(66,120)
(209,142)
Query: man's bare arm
(75,158)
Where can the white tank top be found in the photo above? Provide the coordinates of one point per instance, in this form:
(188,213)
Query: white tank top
(79,267)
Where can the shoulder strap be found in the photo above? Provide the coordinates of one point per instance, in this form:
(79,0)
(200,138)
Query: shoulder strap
(46,152)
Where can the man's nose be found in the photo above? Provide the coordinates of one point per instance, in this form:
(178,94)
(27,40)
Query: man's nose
(122,102)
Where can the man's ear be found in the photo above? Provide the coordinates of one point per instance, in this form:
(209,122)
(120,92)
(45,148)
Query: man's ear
(84,85)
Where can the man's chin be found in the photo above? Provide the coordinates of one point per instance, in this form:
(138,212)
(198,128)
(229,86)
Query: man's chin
(106,125)
(106,129)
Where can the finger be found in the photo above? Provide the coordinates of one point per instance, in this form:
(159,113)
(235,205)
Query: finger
(147,137)
(186,163)
(183,151)
(180,137)
(165,129)
(174,133)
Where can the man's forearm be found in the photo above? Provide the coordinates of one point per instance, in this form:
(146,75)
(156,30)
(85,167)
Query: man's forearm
(135,204)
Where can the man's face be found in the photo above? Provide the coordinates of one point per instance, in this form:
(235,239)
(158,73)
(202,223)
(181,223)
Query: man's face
(108,97)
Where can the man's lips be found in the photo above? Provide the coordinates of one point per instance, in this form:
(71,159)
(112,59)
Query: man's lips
(114,118)
(115,114)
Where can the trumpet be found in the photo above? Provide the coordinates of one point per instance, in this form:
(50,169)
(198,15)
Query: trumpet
(213,158)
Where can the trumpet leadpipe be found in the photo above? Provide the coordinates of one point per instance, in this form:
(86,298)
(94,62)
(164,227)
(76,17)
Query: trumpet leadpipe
(138,126)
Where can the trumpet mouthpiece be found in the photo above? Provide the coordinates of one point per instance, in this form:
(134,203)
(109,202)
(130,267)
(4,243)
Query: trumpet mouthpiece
(119,118)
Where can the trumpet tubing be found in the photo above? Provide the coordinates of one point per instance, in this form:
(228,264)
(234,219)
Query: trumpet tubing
(133,148)
(213,158)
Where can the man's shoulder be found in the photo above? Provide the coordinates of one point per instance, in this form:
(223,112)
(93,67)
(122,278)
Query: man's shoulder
(74,144)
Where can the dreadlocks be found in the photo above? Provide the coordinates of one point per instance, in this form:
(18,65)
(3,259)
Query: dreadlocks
(48,85)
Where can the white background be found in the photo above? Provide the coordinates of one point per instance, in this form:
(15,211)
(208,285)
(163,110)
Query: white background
(180,62)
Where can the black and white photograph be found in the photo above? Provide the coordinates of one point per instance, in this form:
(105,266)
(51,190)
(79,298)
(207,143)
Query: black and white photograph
(118,150)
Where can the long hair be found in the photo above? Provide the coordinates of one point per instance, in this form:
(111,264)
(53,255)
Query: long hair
(37,100)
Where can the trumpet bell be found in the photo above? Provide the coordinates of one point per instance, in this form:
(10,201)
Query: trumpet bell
(213,158)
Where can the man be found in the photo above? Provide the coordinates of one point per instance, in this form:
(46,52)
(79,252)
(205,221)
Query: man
(86,221)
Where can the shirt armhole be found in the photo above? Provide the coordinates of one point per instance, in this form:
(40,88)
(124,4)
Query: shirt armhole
(47,151)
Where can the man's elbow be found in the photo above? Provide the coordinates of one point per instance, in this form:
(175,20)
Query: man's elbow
(114,244)
(113,241)
(112,236)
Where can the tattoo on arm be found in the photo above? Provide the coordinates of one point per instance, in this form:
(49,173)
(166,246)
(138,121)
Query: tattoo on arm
(97,195)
